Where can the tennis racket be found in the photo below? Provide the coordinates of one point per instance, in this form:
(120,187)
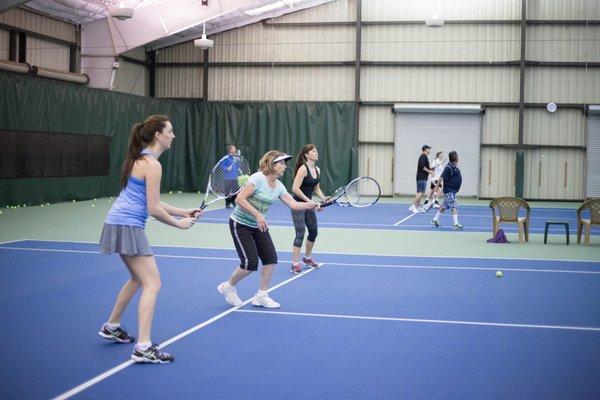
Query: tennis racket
(226,179)
(361,192)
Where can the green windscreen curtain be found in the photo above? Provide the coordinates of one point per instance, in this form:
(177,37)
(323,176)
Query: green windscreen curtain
(202,130)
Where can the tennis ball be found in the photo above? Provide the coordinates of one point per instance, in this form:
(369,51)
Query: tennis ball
(42,205)
(170,192)
(0,212)
(499,274)
(242,179)
(93,205)
(74,200)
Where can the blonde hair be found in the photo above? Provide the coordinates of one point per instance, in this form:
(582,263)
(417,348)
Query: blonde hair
(267,164)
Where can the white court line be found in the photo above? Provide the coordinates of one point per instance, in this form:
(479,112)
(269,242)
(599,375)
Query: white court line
(359,224)
(337,253)
(429,321)
(336,264)
(174,339)
(404,219)
(14,241)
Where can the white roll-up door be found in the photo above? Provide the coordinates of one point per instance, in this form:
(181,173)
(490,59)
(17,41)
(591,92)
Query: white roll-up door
(443,127)
(593,153)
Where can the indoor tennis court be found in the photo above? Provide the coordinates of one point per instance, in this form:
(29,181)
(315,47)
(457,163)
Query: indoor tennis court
(300,199)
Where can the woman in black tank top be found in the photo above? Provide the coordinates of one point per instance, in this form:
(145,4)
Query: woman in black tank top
(306,183)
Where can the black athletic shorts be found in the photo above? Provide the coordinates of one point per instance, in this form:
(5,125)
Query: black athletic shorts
(252,244)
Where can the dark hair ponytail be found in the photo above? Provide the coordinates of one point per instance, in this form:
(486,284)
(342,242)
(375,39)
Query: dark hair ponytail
(300,159)
(142,135)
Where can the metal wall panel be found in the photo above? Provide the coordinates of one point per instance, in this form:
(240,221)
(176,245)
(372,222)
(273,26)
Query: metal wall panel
(376,160)
(4,37)
(34,22)
(563,9)
(338,11)
(562,85)
(184,52)
(498,168)
(258,42)
(376,124)
(563,43)
(43,53)
(131,78)
(500,126)
(179,82)
(281,83)
(450,84)
(390,10)
(451,43)
(593,154)
(545,176)
(564,127)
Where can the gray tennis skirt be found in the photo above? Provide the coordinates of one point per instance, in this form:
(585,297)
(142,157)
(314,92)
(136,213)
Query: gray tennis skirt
(124,239)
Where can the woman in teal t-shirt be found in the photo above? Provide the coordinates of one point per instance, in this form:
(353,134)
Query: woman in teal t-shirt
(249,228)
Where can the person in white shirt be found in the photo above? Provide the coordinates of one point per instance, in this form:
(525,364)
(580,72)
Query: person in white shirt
(438,167)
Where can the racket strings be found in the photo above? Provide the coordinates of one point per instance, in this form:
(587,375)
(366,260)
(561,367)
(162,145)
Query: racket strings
(362,192)
(224,177)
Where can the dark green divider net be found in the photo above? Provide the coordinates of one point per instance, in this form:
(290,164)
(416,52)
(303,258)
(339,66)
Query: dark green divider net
(202,129)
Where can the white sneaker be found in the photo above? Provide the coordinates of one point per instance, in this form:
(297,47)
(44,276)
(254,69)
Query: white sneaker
(413,209)
(230,294)
(265,301)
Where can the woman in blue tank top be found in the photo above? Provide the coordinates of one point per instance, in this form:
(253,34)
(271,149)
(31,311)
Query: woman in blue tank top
(306,183)
(123,233)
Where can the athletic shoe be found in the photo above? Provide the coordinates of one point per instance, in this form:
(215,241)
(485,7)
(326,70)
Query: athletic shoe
(230,294)
(413,209)
(296,269)
(151,355)
(312,263)
(436,204)
(457,227)
(428,206)
(119,334)
(435,223)
(265,301)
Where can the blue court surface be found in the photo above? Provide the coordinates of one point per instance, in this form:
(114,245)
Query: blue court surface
(361,327)
(397,216)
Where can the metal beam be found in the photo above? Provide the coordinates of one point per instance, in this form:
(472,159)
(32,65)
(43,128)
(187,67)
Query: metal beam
(357,65)
(152,73)
(520,170)
(205,67)
(6,5)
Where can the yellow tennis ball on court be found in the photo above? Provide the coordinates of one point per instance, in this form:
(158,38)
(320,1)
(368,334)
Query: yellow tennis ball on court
(93,205)
(499,274)
(242,179)
(170,192)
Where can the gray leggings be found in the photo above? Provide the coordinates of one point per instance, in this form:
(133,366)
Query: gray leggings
(301,219)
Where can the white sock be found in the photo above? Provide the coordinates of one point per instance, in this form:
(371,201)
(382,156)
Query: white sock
(455,218)
(227,285)
(143,346)
(262,293)
(112,327)
(437,216)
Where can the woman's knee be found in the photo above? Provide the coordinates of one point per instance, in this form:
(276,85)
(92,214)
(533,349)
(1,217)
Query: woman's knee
(312,234)
(300,232)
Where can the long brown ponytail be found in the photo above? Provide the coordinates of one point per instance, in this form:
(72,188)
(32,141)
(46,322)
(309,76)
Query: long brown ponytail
(141,136)
(300,159)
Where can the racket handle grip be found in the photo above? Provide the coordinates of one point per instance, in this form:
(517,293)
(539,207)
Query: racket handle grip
(327,203)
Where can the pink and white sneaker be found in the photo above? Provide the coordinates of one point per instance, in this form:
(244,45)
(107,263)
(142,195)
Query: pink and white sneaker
(312,263)
(296,269)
